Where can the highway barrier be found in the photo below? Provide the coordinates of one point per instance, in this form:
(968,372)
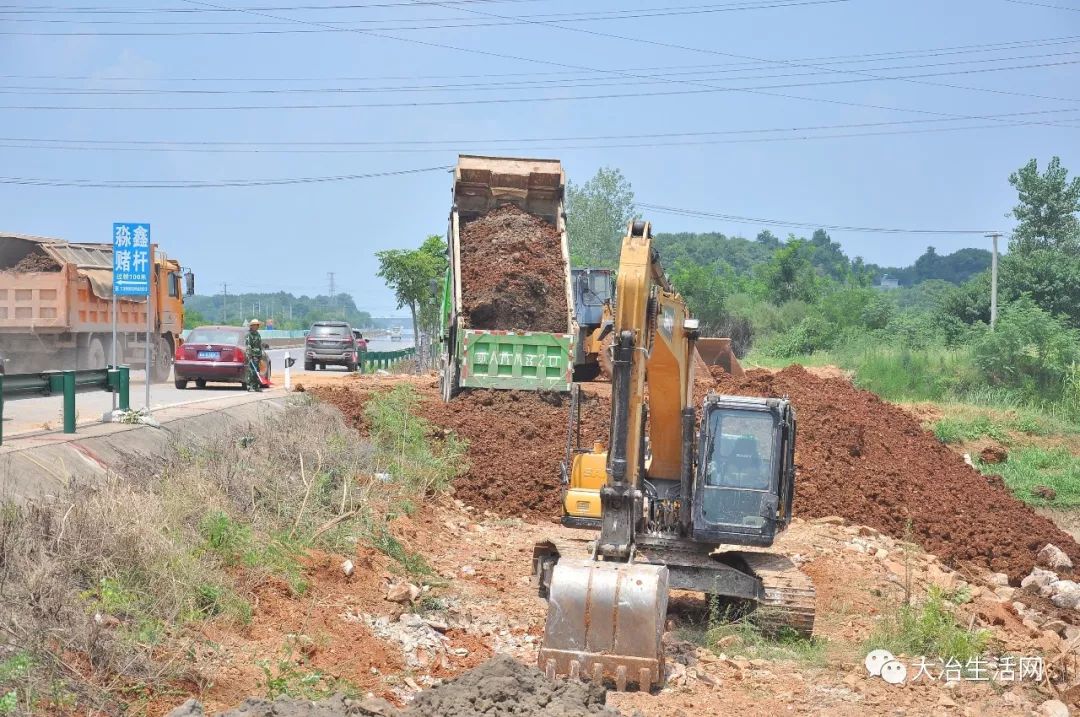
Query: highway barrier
(385,360)
(67,383)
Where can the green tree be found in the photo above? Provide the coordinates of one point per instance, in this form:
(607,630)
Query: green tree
(410,273)
(789,275)
(193,319)
(597,213)
(1051,277)
(704,290)
(1047,212)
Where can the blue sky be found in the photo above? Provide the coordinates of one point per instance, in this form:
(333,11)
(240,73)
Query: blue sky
(680,67)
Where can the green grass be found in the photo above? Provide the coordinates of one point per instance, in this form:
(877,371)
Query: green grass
(734,633)
(928,629)
(1033,466)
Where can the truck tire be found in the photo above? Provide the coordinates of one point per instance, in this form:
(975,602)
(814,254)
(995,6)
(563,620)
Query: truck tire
(449,381)
(161,360)
(94,356)
(181,383)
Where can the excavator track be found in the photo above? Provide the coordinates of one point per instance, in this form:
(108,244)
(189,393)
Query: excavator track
(790,597)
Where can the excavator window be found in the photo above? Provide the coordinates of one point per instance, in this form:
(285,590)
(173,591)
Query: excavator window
(740,466)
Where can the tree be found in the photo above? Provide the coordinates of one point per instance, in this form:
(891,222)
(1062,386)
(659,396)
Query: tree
(789,275)
(1047,210)
(410,273)
(597,213)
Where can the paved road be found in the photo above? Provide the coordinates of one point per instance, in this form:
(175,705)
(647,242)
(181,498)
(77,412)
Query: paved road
(35,414)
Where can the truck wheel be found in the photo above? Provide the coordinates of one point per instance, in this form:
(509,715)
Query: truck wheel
(161,361)
(199,383)
(181,383)
(94,355)
(450,381)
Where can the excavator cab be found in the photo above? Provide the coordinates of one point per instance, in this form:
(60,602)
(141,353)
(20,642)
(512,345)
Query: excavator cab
(746,471)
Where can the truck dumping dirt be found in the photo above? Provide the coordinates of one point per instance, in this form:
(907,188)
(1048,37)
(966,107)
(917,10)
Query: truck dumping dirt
(872,463)
(517,439)
(36,261)
(501,686)
(513,275)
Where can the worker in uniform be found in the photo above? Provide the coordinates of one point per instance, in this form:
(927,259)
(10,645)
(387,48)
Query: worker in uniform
(253,346)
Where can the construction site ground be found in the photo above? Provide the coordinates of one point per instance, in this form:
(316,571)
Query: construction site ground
(393,635)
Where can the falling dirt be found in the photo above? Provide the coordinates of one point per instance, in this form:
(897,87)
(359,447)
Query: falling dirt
(513,275)
(517,441)
(870,462)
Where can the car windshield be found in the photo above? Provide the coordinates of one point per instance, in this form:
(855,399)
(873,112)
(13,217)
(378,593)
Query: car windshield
(215,336)
(740,466)
(329,331)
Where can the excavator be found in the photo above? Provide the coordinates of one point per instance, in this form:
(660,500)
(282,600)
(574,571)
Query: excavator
(677,505)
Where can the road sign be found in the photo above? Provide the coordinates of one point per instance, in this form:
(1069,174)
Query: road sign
(131,259)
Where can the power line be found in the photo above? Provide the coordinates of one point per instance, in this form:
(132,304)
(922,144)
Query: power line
(705,89)
(1039,4)
(732,66)
(61,10)
(428,146)
(204,184)
(803,225)
(443,23)
(531,84)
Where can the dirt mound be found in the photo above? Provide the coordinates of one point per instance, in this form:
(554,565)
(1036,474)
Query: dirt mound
(517,439)
(501,686)
(872,463)
(512,273)
(36,261)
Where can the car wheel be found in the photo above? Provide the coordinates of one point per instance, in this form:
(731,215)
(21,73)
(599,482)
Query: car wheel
(309,365)
(351,368)
(180,383)
(200,383)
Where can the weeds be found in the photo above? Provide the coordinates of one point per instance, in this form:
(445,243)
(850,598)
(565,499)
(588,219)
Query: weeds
(733,630)
(928,629)
(1032,468)
(118,573)
(292,675)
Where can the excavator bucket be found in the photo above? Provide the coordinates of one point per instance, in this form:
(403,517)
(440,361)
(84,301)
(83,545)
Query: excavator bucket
(605,622)
(717,352)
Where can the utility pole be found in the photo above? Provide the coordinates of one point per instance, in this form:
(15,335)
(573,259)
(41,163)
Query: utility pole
(224,303)
(993,280)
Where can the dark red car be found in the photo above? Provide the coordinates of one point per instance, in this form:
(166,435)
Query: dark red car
(215,353)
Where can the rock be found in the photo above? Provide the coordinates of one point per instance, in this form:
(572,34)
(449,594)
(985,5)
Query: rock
(468,570)
(829,520)
(1000,579)
(946,580)
(401,593)
(348,568)
(759,664)
(993,454)
(881,554)
(1054,558)
(1019,607)
(191,708)
(1037,580)
(1049,642)
(1056,626)
(437,625)
(727,641)
(1005,592)
(1065,593)
(1071,632)
(1045,492)
(1053,708)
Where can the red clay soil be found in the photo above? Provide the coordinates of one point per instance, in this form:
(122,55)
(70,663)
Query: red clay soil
(512,273)
(517,440)
(872,463)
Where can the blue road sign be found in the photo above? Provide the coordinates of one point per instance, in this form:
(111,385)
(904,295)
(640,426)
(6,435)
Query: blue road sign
(131,259)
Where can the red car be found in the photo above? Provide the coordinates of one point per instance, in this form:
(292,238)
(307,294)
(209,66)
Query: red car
(215,353)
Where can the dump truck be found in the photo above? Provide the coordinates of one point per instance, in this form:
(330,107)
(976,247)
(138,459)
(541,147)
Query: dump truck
(506,356)
(56,308)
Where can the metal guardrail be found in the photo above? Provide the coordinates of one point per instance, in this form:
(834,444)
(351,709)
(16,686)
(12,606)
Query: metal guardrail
(68,383)
(386,360)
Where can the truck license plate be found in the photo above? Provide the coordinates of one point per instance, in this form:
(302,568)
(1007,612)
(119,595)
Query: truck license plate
(209,355)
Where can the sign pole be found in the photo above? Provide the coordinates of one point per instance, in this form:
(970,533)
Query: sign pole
(113,360)
(149,325)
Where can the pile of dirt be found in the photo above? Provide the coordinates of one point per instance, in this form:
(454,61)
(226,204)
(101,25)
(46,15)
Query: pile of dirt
(872,463)
(517,440)
(501,686)
(36,261)
(513,275)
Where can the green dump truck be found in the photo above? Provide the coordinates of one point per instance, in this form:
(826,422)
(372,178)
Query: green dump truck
(514,356)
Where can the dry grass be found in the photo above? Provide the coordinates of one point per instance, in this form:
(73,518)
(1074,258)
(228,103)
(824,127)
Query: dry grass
(102,584)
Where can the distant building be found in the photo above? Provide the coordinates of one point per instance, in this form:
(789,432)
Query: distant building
(887,282)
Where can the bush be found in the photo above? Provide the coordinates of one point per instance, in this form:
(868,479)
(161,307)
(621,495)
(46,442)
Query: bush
(1029,350)
(929,630)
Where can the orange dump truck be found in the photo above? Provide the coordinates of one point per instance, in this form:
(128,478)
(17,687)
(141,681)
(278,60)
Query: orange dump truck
(56,308)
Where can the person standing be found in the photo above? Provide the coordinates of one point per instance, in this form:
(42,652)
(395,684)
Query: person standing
(253,347)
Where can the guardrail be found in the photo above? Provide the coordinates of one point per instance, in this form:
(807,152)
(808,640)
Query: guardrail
(386,360)
(50,383)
